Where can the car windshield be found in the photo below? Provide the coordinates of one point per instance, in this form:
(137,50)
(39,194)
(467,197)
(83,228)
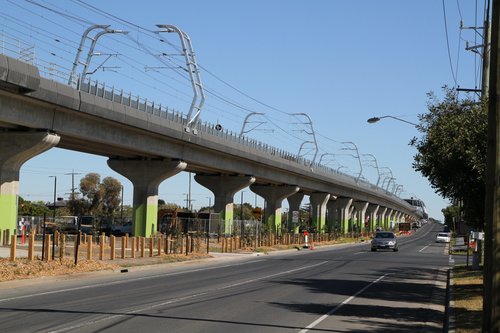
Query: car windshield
(384,235)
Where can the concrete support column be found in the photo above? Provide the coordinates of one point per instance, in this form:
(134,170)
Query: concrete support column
(332,216)
(318,202)
(344,209)
(396,218)
(274,196)
(224,187)
(146,176)
(388,214)
(361,207)
(15,149)
(371,211)
(381,217)
(294,202)
(390,219)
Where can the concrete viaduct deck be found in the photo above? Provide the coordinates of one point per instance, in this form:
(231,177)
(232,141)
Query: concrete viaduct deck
(147,144)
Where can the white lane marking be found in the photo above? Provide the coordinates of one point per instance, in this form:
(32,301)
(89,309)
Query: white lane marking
(179,299)
(59,291)
(358,253)
(332,311)
(424,248)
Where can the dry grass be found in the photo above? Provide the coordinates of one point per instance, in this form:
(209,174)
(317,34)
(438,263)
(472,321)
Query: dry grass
(468,297)
(25,269)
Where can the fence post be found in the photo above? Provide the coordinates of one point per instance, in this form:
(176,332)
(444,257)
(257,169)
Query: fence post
(143,246)
(13,244)
(151,244)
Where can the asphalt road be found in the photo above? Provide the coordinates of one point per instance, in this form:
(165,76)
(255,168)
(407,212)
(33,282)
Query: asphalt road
(344,288)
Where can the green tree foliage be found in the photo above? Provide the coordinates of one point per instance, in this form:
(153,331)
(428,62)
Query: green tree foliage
(100,199)
(91,192)
(110,189)
(452,151)
(28,208)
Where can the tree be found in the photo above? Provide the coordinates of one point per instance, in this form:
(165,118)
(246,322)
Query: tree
(100,199)
(452,151)
(110,189)
(91,192)
(28,208)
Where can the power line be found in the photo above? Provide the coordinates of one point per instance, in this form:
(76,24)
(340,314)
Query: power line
(448,44)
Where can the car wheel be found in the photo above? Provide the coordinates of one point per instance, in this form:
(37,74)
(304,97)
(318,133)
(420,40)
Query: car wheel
(373,250)
(396,250)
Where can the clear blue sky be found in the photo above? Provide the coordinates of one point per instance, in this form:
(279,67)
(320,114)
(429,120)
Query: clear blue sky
(341,62)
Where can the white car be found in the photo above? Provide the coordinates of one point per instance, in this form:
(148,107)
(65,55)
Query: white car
(443,237)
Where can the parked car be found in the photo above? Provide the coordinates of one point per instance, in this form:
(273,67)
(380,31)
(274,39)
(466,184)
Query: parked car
(384,240)
(443,237)
(121,229)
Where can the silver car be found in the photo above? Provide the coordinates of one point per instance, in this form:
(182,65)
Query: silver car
(385,240)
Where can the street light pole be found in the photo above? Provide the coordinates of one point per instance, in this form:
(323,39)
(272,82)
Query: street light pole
(376,119)
(54,214)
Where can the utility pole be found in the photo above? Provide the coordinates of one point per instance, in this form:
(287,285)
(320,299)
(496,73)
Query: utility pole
(73,173)
(491,299)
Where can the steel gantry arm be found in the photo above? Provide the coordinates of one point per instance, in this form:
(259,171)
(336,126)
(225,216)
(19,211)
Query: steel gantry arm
(194,75)
(80,48)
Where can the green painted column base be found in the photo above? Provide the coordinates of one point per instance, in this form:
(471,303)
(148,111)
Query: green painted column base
(8,214)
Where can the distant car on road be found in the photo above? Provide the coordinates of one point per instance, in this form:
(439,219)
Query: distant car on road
(384,240)
(443,237)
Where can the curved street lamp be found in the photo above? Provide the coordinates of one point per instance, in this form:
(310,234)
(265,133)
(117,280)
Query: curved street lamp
(376,119)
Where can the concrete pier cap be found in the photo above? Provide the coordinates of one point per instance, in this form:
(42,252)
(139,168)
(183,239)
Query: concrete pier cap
(274,195)
(224,187)
(146,175)
(17,147)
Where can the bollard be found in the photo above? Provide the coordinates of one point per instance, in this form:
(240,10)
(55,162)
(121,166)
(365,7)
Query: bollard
(132,247)
(124,246)
(47,247)
(112,244)
(31,246)
(166,247)
(62,246)
(101,246)
(89,246)
(13,244)
(160,241)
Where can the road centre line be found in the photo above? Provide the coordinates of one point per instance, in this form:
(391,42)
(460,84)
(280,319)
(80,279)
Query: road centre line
(332,311)
(183,298)
(424,248)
